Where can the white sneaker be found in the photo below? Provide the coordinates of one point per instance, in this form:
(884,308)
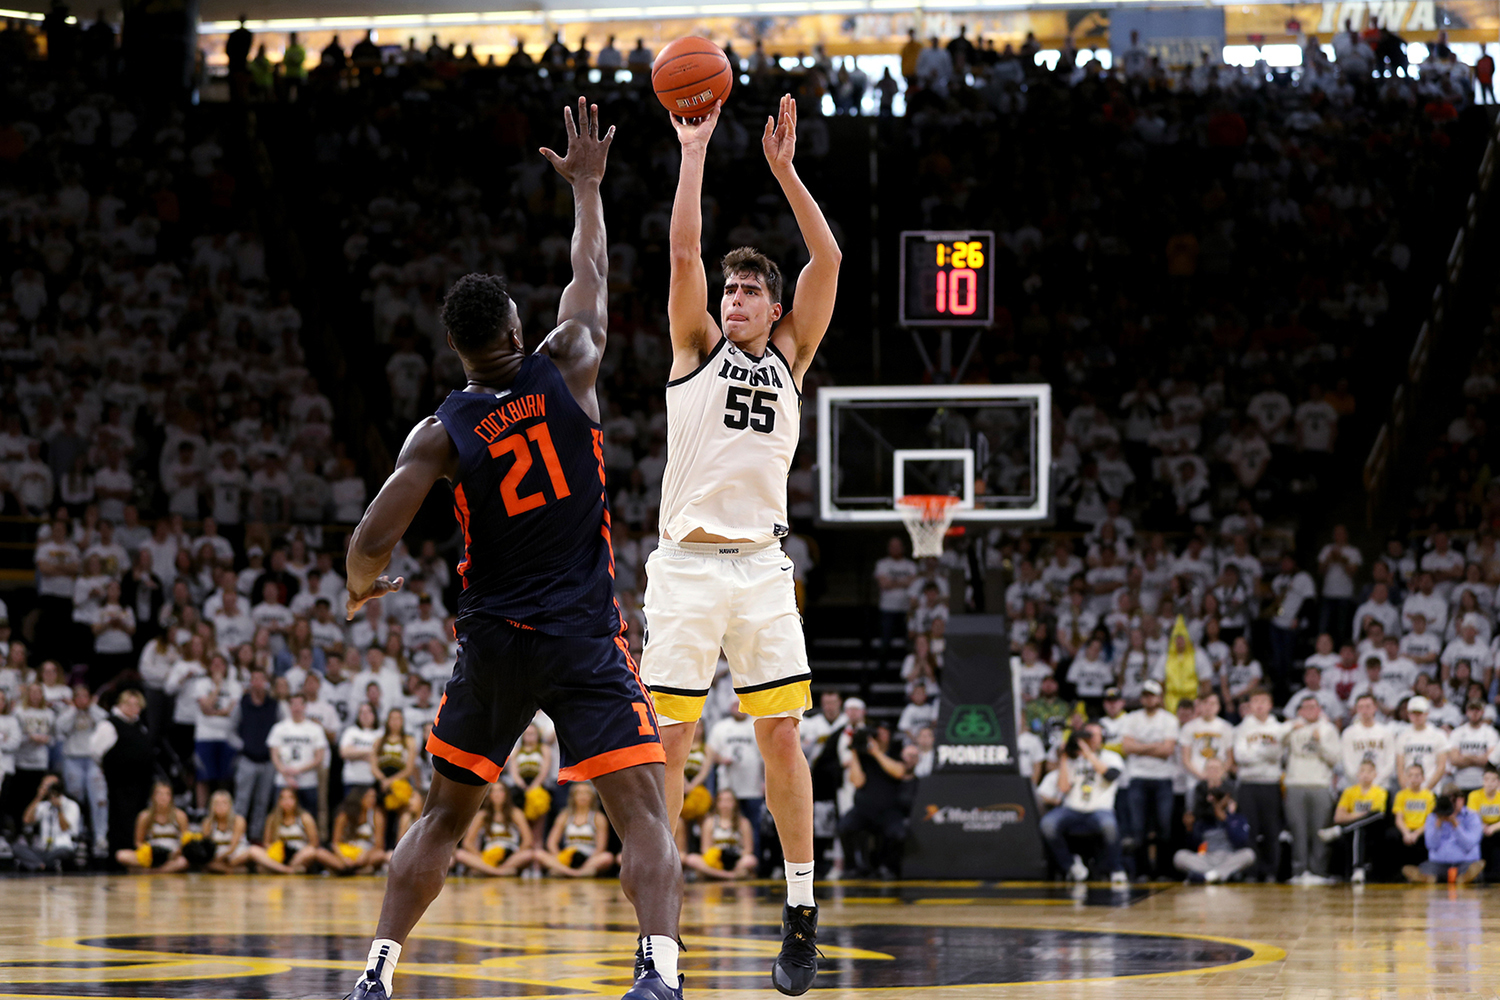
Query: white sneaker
(1212,876)
(1312,878)
(1330,833)
(1119,879)
(1358,878)
(1079,871)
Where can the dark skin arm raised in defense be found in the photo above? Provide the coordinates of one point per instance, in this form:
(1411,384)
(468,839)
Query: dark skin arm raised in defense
(576,346)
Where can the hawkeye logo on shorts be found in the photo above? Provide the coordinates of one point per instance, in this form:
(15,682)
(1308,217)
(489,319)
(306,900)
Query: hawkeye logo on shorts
(973,724)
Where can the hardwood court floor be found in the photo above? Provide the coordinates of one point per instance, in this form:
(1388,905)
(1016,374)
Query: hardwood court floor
(267,937)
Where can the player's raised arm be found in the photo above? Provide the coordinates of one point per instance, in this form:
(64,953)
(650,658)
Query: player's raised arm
(583,311)
(692,328)
(427,456)
(812,307)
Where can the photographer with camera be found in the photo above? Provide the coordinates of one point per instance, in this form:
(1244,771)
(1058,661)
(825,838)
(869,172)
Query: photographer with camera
(1087,778)
(1222,837)
(876,813)
(1453,834)
(56,819)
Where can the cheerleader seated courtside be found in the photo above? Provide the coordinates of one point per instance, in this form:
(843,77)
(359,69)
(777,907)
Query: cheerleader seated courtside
(723,851)
(225,830)
(697,800)
(395,768)
(529,767)
(499,842)
(576,845)
(359,834)
(159,832)
(291,846)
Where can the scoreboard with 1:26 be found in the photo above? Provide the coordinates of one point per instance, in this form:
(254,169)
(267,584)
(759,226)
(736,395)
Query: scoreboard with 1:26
(946,278)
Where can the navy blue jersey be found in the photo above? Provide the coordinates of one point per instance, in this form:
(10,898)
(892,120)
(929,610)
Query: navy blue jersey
(530,500)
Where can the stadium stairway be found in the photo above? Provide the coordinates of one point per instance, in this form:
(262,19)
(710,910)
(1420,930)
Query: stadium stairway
(843,650)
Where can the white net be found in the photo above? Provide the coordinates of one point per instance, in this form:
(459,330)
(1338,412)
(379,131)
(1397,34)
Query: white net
(927,519)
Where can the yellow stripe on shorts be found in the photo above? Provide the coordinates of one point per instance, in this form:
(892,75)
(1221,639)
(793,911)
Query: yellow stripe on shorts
(795,693)
(677,706)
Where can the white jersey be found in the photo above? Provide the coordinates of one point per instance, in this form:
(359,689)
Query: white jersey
(731,432)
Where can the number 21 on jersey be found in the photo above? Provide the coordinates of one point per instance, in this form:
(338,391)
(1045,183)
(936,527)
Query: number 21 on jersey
(520,445)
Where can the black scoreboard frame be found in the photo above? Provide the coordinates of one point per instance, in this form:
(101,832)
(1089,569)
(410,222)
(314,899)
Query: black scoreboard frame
(927,237)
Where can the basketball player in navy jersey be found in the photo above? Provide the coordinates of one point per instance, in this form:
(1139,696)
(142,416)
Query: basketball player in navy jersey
(538,626)
(719,578)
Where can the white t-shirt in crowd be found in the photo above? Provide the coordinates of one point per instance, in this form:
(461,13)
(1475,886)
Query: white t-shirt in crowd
(1090,791)
(31,755)
(1150,728)
(299,743)
(898,571)
(1207,739)
(1090,677)
(209,728)
(741,769)
(1337,582)
(1430,606)
(1316,420)
(1030,751)
(1258,748)
(1422,746)
(359,772)
(1031,676)
(234,630)
(1472,741)
(1376,743)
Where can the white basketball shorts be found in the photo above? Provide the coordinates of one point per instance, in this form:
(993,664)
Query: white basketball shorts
(702,597)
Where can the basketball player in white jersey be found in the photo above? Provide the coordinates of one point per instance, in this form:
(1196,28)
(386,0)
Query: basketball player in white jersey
(719,577)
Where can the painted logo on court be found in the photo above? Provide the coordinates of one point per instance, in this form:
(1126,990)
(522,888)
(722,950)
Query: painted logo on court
(527,960)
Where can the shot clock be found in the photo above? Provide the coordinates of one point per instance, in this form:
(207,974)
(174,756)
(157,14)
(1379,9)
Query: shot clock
(946,278)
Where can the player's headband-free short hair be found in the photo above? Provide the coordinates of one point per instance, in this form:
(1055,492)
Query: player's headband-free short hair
(748,260)
(475,310)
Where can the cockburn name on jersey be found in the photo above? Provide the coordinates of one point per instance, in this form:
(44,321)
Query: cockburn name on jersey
(521,408)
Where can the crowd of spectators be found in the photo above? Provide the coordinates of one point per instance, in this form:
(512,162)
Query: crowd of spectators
(1278,700)
(1202,277)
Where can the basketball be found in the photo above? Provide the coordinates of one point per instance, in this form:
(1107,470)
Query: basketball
(689,75)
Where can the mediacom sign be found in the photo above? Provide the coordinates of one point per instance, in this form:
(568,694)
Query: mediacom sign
(980,819)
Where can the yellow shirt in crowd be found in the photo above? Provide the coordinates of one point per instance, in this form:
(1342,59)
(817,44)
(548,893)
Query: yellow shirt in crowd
(1362,802)
(1488,808)
(1415,807)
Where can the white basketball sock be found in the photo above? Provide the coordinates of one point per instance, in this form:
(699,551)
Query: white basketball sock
(799,884)
(382,961)
(661,951)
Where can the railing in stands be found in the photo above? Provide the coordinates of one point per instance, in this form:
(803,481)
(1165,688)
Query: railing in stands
(1390,437)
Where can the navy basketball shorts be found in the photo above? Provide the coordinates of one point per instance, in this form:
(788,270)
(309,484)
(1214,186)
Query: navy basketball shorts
(587,685)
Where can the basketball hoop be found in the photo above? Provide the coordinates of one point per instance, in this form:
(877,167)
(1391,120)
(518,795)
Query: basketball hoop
(927,517)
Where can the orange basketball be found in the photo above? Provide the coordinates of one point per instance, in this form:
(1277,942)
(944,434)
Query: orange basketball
(689,75)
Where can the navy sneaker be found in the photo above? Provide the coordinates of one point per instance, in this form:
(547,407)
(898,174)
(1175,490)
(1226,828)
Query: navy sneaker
(649,985)
(798,962)
(640,959)
(369,988)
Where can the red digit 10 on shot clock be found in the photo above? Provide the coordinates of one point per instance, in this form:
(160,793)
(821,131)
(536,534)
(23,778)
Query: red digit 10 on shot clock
(946,278)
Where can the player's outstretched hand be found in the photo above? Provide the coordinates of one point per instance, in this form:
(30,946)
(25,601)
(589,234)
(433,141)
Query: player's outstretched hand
(780,138)
(694,133)
(587,150)
(382,586)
